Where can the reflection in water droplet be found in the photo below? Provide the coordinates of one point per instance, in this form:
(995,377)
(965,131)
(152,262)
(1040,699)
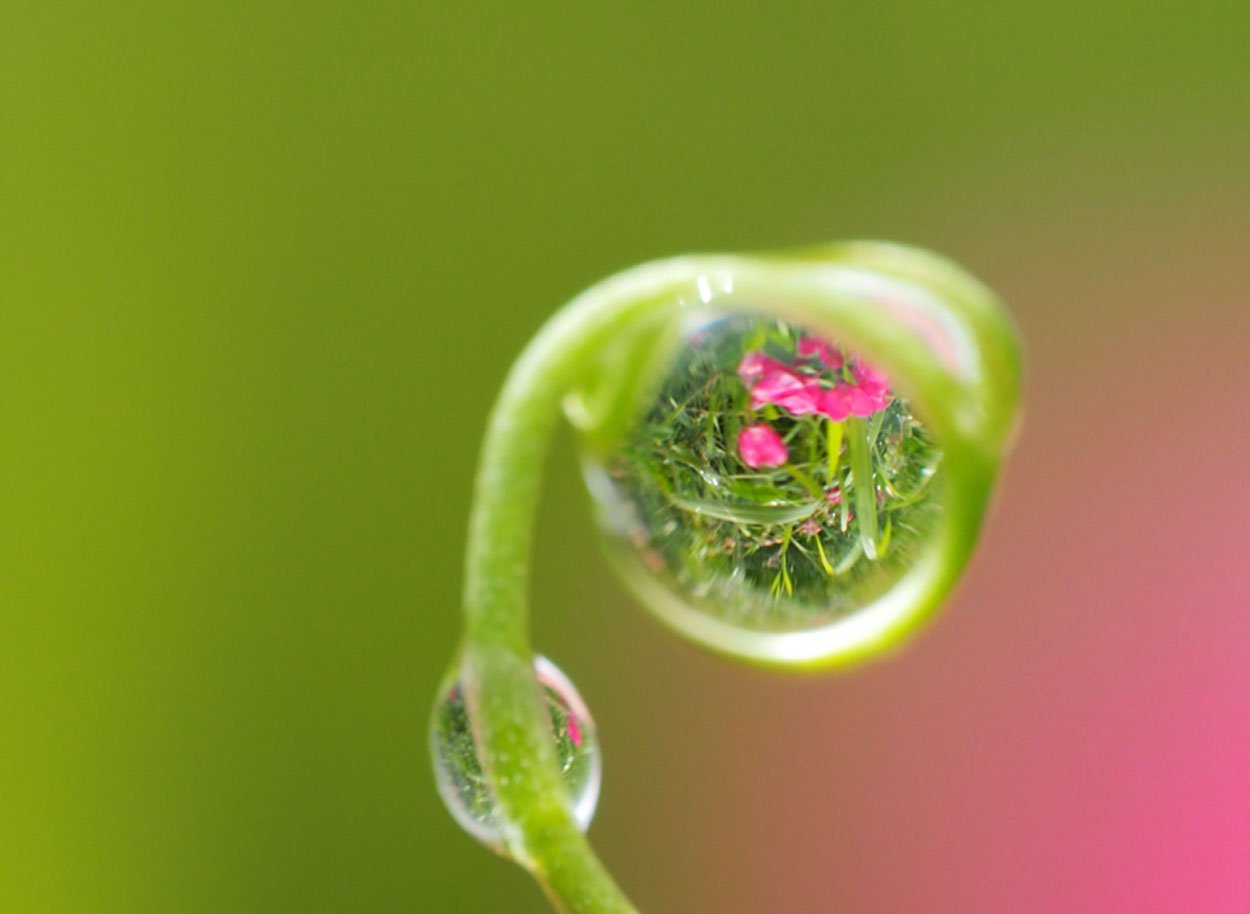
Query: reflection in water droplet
(458,770)
(777,482)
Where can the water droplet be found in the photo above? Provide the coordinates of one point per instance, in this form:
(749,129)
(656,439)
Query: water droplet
(462,783)
(777,483)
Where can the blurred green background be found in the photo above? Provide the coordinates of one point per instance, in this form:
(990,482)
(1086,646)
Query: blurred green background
(262,268)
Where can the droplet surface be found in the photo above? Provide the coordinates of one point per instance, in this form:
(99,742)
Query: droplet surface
(776,482)
(462,782)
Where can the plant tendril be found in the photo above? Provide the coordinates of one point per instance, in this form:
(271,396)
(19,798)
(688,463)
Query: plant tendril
(744,490)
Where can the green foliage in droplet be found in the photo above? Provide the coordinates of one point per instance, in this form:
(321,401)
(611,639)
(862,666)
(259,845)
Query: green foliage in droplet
(458,757)
(461,764)
(771,547)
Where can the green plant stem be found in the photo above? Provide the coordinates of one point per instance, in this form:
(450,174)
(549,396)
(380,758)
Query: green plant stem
(514,738)
(864,487)
(973,417)
(834,448)
(810,485)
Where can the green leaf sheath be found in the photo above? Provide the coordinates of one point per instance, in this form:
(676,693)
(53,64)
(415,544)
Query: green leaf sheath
(863,486)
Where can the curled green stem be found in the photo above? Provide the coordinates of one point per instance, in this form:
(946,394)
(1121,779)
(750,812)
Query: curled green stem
(972,412)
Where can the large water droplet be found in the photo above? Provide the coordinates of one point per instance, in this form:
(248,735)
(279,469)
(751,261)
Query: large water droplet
(462,783)
(776,482)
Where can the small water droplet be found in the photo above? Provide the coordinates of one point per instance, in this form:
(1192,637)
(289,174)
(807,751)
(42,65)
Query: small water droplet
(462,783)
(776,483)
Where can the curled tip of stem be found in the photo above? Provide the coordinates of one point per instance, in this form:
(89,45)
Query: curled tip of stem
(834,496)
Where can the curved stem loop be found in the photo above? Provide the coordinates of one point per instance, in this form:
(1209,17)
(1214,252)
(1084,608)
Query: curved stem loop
(953,349)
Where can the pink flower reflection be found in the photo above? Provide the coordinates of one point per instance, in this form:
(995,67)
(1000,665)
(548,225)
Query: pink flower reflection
(761,446)
(795,389)
(794,393)
(814,347)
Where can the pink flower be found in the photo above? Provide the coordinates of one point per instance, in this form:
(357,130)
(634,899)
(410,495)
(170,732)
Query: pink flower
(869,377)
(864,403)
(574,730)
(761,446)
(814,347)
(869,391)
(833,495)
(835,404)
(782,387)
(755,365)
(775,383)
(810,527)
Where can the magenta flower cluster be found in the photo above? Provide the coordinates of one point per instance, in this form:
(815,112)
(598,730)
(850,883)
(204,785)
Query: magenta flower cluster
(803,394)
(828,392)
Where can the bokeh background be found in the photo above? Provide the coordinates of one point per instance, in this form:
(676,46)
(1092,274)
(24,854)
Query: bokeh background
(262,268)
